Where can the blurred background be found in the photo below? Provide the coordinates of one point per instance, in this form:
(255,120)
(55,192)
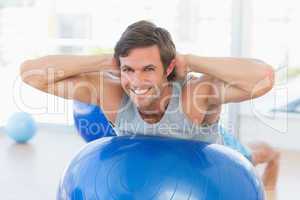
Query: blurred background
(263,29)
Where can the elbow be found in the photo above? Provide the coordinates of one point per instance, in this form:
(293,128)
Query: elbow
(25,70)
(25,66)
(265,83)
(32,76)
(269,77)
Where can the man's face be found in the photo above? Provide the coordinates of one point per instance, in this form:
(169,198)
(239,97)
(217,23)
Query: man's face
(143,76)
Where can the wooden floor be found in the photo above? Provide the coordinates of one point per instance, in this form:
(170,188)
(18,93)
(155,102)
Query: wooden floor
(32,171)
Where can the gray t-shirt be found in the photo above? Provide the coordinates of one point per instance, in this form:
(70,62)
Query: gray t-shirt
(174,122)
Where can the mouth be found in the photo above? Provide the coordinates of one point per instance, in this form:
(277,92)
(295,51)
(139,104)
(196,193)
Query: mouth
(140,91)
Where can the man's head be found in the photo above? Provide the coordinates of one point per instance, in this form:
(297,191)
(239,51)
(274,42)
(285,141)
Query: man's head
(146,56)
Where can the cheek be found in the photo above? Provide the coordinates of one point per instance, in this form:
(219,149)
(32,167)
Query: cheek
(124,82)
(158,78)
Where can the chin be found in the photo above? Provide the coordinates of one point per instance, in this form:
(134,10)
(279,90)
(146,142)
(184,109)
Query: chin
(142,104)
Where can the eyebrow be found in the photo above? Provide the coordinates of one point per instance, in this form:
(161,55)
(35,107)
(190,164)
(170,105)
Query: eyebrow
(146,66)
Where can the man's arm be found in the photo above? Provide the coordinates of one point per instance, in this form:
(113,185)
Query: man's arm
(232,79)
(50,69)
(76,77)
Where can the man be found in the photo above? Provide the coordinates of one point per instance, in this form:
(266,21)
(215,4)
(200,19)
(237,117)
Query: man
(144,88)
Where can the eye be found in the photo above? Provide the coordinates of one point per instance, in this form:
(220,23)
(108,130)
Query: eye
(149,69)
(127,70)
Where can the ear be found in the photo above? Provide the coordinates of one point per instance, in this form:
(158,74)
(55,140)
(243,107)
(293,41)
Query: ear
(171,67)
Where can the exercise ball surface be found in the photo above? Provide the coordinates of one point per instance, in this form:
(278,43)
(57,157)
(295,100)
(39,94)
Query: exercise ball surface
(21,127)
(158,168)
(90,121)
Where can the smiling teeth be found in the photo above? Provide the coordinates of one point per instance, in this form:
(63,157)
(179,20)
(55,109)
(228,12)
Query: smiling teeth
(140,91)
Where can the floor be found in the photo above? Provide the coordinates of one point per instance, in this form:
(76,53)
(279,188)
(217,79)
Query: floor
(32,171)
(289,177)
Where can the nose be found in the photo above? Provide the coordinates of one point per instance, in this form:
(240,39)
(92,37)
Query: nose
(138,79)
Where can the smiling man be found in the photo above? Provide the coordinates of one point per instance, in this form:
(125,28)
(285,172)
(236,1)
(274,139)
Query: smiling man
(142,77)
(144,88)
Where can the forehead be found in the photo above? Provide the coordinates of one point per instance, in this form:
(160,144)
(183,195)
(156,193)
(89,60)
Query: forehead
(142,56)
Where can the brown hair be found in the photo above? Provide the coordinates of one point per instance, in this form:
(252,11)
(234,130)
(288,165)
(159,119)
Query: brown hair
(143,34)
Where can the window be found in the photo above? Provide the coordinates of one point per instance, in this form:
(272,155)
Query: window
(75,26)
(273,29)
(273,38)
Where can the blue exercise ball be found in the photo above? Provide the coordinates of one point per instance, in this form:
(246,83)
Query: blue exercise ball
(90,121)
(158,168)
(21,127)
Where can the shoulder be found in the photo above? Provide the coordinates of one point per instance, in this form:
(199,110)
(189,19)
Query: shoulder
(197,88)
(108,91)
(195,96)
